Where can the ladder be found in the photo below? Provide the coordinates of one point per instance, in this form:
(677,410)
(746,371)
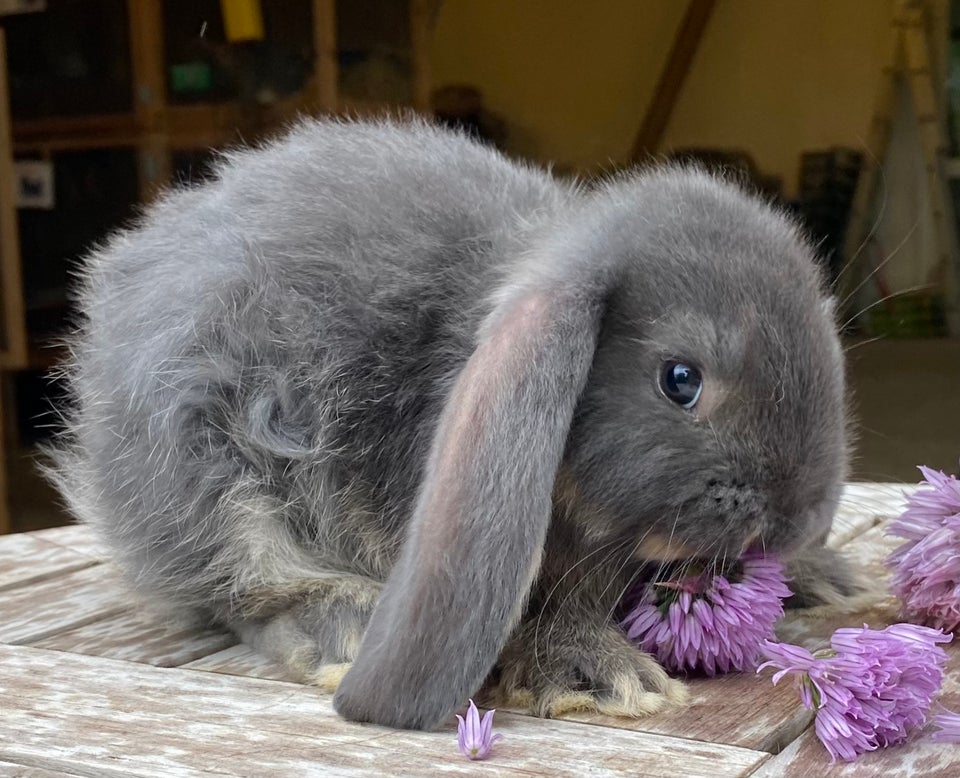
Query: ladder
(909,62)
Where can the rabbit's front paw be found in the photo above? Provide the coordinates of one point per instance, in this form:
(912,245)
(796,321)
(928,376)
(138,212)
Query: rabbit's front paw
(553,668)
(822,576)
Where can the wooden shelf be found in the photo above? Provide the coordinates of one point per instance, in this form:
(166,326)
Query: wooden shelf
(158,128)
(75,133)
(149,129)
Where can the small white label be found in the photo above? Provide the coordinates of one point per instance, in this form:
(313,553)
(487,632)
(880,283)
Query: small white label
(8,7)
(35,187)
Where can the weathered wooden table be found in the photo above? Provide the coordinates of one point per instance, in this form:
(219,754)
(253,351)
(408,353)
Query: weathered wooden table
(94,684)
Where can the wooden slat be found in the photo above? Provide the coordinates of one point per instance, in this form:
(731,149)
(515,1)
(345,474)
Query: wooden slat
(144,635)
(34,612)
(83,142)
(737,710)
(241,660)
(170,722)
(90,126)
(76,537)
(11,770)
(26,559)
(863,506)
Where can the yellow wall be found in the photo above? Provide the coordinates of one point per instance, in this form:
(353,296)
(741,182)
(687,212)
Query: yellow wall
(572,78)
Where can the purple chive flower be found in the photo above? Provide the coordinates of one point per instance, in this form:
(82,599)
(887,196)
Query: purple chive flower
(949,727)
(473,735)
(870,688)
(709,623)
(926,569)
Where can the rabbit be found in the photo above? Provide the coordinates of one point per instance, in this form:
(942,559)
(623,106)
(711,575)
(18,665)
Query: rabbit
(410,416)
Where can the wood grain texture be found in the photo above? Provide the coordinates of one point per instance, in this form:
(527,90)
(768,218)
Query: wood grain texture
(740,709)
(60,714)
(34,612)
(863,506)
(241,660)
(26,559)
(76,537)
(230,711)
(10,770)
(142,635)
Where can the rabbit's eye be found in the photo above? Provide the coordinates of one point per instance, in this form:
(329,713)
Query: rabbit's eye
(681,383)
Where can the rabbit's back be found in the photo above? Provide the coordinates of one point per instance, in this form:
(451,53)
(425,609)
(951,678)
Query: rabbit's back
(263,358)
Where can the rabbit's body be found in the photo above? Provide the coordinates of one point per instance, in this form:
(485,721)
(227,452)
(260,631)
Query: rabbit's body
(362,353)
(295,384)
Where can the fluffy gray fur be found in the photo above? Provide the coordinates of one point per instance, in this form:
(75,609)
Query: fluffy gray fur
(376,395)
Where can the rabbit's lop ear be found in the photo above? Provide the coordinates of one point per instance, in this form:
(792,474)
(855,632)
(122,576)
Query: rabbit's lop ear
(476,537)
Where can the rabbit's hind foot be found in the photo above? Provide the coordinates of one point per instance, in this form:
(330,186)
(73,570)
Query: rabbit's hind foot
(313,627)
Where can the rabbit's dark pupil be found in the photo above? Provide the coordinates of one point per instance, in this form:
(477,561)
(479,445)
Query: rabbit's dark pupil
(681,383)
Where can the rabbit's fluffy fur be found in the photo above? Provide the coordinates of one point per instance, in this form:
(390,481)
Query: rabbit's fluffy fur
(376,395)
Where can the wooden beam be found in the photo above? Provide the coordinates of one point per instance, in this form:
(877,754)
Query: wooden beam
(326,76)
(674,73)
(422,13)
(149,94)
(13,344)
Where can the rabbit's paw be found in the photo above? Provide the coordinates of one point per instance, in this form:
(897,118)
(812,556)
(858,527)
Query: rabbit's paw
(822,576)
(313,628)
(556,669)
(328,677)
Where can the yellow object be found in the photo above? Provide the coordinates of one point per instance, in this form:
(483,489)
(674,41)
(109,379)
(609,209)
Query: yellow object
(242,20)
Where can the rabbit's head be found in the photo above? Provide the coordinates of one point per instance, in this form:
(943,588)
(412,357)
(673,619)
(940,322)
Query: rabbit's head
(663,363)
(714,414)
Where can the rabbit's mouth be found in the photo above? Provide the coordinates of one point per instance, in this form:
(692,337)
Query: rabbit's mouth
(658,548)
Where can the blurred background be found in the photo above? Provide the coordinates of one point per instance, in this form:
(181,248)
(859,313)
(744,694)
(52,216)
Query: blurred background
(847,112)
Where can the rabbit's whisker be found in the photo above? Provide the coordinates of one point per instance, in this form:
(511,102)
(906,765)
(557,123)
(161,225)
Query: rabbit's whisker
(881,265)
(859,343)
(630,579)
(875,303)
(543,608)
(876,224)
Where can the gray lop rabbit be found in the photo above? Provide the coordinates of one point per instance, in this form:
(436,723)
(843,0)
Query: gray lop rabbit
(408,416)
